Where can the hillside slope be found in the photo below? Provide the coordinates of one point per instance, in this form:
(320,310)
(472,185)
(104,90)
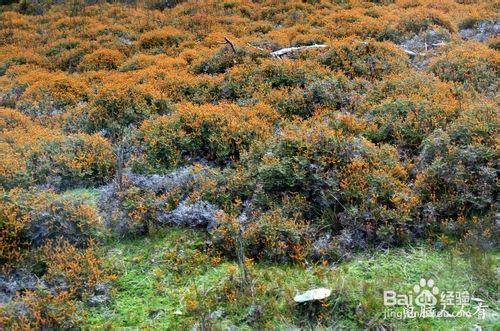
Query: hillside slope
(177,164)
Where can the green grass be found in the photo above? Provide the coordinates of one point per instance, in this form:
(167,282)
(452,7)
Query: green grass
(88,195)
(169,282)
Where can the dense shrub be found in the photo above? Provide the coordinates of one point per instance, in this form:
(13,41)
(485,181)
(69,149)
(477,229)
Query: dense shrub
(166,37)
(271,237)
(472,64)
(346,181)
(78,160)
(66,55)
(216,133)
(367,59)
(219,62)
(415,22)
(458,171)
(405,109)
(51,94)
(33,154)
(117,107)
(332,93)
(102,59)
(70,275)
(244,84)
(33,219)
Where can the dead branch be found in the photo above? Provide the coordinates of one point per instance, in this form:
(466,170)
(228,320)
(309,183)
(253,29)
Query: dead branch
(411,53)
(230,44)
(278,53)
(284,51)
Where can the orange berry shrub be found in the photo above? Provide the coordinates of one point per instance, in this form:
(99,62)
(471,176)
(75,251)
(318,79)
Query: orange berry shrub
(406,108)
(70,276)
(457,177)
(49,93)
(473,64)
(347,181)
(274,235)
(52,237)
(162,40)
(366,59)
(102,59)
(317,179)
(219,133)
(36,155)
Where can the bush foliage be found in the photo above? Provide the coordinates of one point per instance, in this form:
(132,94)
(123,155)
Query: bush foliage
(365,142)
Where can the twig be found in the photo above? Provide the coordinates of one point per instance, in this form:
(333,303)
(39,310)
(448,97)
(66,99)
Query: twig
(230,44)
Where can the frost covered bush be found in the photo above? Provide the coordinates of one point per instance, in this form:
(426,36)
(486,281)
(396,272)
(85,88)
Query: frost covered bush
(148,202)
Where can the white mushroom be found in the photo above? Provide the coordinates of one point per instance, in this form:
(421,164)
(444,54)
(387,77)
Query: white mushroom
(312,295)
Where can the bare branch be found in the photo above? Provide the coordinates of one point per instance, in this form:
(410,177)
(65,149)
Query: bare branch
(284,51)
(230,44)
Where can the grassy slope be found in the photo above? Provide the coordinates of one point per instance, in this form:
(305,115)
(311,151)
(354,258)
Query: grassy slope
(160,278)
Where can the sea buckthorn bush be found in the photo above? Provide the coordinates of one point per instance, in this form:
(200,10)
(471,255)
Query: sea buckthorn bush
(167,37)
(102,59)
(347,182)
(333,93)
(35,155)
(31,220)
(51,94)
(243,84)
(271,237)
(472,64)
(418,21)
(215,133)
(135,213)
(78,160)
(70,274)
(458,176)
(66,55)
(50,239)
(405,109)
(219,62)
(366,59)
(117,107)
